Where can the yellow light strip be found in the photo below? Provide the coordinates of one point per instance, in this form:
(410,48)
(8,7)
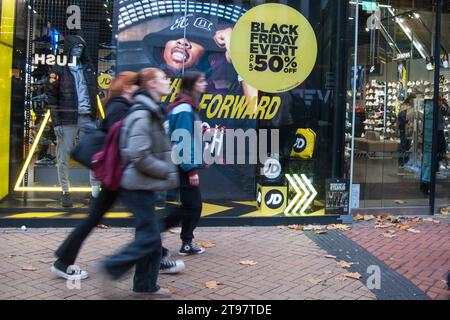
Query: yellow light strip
(100,107)
(313,193)
(30,157)
(305,194)
(53,189)
(295,199)
(33,149)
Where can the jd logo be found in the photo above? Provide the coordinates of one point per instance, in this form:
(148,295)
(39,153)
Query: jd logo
(272,168)
(274,199)
(300,143)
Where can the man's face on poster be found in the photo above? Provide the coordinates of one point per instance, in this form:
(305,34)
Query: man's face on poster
(177,51)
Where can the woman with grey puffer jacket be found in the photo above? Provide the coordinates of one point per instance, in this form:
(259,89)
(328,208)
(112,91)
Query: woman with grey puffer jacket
(145,151)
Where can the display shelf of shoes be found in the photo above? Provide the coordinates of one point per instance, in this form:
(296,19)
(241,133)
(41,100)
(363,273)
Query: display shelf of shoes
(376,103)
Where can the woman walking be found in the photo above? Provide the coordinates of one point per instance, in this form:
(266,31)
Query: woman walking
(145,151)
(119,101)
(184,113)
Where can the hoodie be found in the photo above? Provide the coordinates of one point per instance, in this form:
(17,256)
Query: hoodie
(184,113)
(64,95)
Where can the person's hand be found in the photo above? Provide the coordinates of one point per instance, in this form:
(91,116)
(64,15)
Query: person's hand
(223,40)
(194,180)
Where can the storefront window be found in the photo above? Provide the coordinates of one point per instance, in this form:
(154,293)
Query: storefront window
(278,107)
(394,104)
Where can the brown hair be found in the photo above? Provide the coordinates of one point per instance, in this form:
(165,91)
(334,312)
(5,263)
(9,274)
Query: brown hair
(126,78)
(188,82)
(145,75)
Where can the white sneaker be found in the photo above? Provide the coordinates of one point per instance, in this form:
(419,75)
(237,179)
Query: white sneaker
(72,273)
(169,267)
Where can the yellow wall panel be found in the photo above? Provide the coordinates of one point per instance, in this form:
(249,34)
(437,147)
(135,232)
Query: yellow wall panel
(6,56)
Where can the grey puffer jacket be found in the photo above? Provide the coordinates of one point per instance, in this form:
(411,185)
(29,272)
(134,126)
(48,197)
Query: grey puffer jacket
(146,150)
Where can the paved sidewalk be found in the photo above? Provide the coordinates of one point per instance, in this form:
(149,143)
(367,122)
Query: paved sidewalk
(290,265)
(423,258)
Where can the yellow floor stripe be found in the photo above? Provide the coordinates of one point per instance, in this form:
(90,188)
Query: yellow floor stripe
(36,215)
(79,215)
(118,215)
(210,209)
(38,200)
(246,203)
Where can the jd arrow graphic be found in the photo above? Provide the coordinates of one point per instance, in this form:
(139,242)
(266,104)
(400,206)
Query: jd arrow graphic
(303,198)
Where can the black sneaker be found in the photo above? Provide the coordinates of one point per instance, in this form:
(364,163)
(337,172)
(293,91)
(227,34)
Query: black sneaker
(169,266)
(189,249)
(66,200)
(165,254)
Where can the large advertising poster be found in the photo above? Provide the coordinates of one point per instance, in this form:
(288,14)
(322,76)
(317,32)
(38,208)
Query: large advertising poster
(252,55)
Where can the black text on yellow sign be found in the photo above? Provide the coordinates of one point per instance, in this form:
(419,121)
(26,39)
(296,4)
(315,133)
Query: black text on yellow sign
(273,48)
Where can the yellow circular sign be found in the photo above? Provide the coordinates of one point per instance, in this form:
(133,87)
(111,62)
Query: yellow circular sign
(273,47)
(104,81)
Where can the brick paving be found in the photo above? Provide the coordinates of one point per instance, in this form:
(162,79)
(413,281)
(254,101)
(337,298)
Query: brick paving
(290,266)
(423,258)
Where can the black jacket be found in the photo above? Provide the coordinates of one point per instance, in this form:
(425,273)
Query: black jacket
(62,95)
(116,109)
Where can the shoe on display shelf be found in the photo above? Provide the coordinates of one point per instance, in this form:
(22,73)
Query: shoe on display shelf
(110,57)
(109,45)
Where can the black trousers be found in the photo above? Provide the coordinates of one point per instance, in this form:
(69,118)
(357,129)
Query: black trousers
(67,253)
(189,212)
(144,251)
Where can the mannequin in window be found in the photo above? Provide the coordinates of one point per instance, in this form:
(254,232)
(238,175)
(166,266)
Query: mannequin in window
(72,97)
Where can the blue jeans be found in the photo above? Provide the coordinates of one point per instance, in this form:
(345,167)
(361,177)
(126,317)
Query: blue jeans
(144,251)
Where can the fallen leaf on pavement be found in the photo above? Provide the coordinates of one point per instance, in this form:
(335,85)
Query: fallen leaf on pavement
(413,230)
(389,235)
(212,284)
(296,227)
(29,268)
(393,219)
(414,219)
(382,226)
(353,275)
(369,217)
(175,230)
(342,227)
(344,264)
(431,220)
(321,231)
(403,226)
(329,256)
(248,262)
(102,226)
(205,244)
(358,217)
(399,201)
(315,281)
(170,289)
(444,211)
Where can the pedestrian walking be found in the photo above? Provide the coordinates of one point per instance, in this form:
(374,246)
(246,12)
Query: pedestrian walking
(184,113)
(117,106)
(146,154)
